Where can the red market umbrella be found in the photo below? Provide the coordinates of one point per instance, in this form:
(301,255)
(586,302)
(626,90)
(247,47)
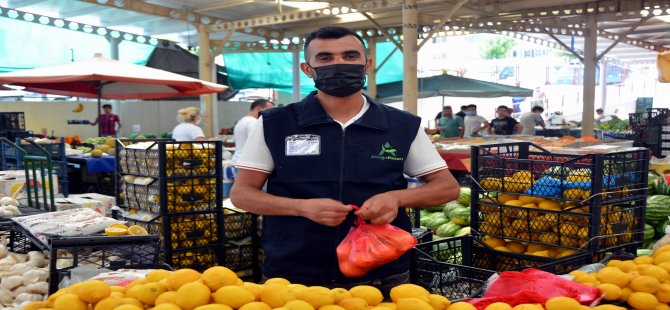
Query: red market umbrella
(109,79)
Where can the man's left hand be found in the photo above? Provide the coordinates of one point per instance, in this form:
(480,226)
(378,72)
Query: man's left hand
(380,209)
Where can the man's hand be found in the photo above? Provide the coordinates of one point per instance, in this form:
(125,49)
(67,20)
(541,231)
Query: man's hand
(325,211)
(380,209)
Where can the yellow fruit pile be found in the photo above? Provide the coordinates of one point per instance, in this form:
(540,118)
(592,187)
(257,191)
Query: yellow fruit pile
(531,219)
(556,303)
(219,288)
(527,248)
(644,282)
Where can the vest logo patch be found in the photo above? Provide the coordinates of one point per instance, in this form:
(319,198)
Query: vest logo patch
(387,152)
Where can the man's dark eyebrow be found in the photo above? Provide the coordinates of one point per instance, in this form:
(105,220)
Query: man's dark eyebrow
(350,52)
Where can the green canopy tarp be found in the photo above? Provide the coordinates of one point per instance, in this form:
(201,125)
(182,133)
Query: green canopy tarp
(451,86)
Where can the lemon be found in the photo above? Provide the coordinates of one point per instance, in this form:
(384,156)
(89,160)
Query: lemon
(157,275)
(371,294)
(614,276)
(129,307)
(253,288)
(413,303)
(625,293)
(134,291)
(213,307)
(148,293)
(532,247)
(409,291)
(233,296)
(386,305)
(646,284)
(339,294)
(641,301)
(562,303)
(281,281)
(167,306)
(256,305)
(663,293)
(527,307)
(645,260)
(439,302)
(295,288)
(317,296)
(131,301)
(332,307)
(116,231)
(192,295)
(218,277)
(181,277)
(70,301)
(353,303)
(608,307)
(35,305)
(627,266)
(168,297)
(498,306)
(662,307)
(661,249)
(516,247)
(494,242)
(93,291)
(298,305)
(276,295)
(461,306)
(657,272)
(119,289)
(611,291)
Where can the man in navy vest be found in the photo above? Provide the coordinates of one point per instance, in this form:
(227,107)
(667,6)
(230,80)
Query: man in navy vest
(334,149)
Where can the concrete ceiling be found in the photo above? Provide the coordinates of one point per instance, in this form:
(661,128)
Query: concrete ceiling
(640,27)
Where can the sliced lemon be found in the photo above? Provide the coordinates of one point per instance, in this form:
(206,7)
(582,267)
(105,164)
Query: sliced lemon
(116,231)
(119,225)
(137,230)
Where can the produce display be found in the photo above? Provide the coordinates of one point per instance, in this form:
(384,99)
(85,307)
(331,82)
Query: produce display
(23,277)
(643,283)
(658,209)
(451,219)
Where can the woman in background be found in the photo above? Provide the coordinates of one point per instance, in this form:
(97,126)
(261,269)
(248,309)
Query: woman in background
(188,129)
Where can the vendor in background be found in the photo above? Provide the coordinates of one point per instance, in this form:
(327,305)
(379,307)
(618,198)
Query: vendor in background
(557,118)
(107,122)
(246,123)
(473,123)
(503,124)
(188,130)
(461,114)
(450,126)
(531,119)
(600,116)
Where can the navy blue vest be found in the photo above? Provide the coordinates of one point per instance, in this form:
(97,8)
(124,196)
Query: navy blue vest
(353,165)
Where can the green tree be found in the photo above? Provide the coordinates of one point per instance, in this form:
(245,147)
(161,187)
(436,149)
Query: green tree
(497,48)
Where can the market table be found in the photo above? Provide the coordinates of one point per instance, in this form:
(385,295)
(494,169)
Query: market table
(456,160)
(558,131)
(92,174)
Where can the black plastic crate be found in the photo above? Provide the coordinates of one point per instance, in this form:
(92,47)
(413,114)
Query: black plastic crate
(576,227)
(239,255)
(444,267)
(170,159)
(183,231)
(16,239)
(422,235)
(182,196)
(15,134)
(199,258)
(414,216)
(589,198)
(56,149)
(12,121)
(100,251)
(237,224)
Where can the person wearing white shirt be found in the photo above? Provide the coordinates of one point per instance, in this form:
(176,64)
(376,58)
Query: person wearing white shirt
(188,129)
(332,151)
(246,123)
(531,119)
(473,123)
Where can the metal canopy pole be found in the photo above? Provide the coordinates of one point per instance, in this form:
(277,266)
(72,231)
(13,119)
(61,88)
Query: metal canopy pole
(590,50)
(410,17)
(603,84)
(372,74)
(296,77)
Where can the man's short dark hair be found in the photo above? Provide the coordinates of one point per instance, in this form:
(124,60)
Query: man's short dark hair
(259,103)
(446,107)
(472,106)
(503,107)
(329,32)
(538,109)
(463,107)
(107,106)
(599,110)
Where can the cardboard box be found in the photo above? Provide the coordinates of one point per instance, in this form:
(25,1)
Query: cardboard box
(108,201)
(69,203)
(12,180)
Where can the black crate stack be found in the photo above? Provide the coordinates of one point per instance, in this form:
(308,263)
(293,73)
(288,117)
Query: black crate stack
(652,130)
(242,245)
(593,203)
(12,159)
(13,125)
(180,185)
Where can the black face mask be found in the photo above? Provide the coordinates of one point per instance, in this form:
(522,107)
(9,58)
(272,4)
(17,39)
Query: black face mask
(339,80)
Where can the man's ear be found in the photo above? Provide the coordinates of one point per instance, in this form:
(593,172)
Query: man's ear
(369,65)
(306,69)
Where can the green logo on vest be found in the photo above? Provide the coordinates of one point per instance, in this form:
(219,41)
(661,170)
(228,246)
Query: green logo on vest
(387,152)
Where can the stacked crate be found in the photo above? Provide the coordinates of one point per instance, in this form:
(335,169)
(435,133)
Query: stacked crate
(241,252)
(13,125)
(572,204)
(177,188)
(652,130)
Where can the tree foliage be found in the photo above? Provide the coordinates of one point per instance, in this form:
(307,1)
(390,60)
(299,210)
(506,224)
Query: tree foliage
(497,48)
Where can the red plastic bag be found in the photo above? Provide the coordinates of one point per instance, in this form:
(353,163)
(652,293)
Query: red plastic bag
(534,286)
(368,246)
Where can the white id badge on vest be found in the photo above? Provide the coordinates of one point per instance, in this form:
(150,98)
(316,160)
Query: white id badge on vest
(303,145)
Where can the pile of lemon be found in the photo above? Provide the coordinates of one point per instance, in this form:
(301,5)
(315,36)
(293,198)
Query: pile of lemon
(518,247)
(219,288)
(556,303)
(644,282)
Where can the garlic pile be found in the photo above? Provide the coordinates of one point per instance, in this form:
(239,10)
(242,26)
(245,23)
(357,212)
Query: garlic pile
(23,277)
(9,206)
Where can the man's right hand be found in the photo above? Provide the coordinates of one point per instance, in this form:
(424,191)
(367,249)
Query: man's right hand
(324,211)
